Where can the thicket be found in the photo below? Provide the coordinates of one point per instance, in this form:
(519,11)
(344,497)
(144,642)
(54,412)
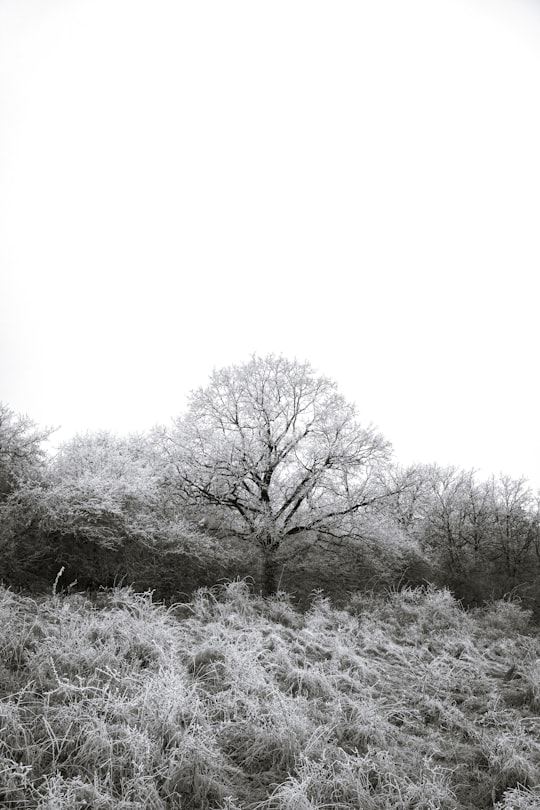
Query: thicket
(269,475)
(233,702)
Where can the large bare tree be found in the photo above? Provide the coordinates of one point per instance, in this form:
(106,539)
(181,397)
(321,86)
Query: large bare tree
(276,451)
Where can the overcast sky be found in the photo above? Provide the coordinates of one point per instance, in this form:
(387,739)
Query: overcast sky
(352,183)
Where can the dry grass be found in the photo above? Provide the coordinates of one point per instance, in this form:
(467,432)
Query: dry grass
(397,703)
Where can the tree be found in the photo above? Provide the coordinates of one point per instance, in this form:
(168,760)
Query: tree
(483,535)
(21,453)
(22,465)
(276,451)
(515,531)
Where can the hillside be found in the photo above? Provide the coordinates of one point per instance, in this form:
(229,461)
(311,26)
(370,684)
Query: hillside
(404,701)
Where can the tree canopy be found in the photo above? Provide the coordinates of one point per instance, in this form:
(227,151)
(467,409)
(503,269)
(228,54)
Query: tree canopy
(21,452)
(277,450)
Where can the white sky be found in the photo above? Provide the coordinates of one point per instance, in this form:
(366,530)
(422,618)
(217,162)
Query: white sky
(352,183)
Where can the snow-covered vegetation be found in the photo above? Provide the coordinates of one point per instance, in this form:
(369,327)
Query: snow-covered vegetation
(234,701)
(358,680)
(269,474)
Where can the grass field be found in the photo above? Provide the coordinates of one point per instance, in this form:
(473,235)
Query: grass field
(231,701)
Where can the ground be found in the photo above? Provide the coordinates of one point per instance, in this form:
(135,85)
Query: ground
(402,700)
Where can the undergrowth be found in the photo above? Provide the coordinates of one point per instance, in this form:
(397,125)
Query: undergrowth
(399,702)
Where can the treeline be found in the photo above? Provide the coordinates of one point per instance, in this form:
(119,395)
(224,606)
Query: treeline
(269,475)
(481,537)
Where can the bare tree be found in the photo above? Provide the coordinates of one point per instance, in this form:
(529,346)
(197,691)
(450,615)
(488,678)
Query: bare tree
(515,528)
(277,451)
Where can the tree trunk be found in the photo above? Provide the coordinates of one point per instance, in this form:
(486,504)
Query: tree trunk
(269,572)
